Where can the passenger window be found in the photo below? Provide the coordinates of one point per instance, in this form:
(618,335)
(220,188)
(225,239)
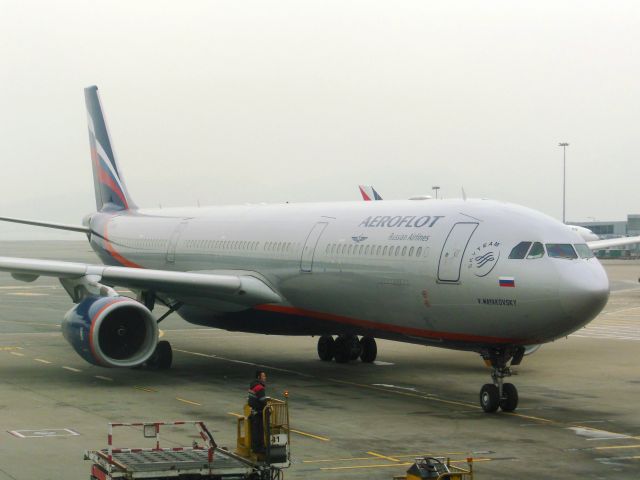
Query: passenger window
(561,250)
(519,251)
(366,250)
(350,249)
(404,251)
(397,251)
(411,252)
(384,251)
(537,251)
(378,250)
(583,250)
(419,252)
(344,249)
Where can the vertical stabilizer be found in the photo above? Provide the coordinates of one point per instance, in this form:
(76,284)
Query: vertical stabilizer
(369,193)
(111,192)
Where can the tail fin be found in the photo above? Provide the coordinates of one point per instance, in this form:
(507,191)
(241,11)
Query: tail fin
(369,193)
(111,192)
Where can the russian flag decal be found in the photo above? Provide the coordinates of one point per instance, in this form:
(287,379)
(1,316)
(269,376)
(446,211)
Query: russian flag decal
(507,282)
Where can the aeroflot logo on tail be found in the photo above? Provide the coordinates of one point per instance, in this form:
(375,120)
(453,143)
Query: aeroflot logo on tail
(398,221)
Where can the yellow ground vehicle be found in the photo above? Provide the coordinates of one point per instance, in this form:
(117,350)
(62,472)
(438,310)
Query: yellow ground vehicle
(275,419)
(437,468)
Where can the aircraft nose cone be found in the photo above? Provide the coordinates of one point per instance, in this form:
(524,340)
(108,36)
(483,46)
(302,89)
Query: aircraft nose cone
(585,294)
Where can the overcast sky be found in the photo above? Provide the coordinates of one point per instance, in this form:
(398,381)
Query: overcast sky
(222,102)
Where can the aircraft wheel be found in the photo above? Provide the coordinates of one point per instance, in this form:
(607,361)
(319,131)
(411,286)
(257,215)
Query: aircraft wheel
(509,400)
(354,346)
(162,357)
(489,398)
(368,349)
(342,349)
(326,348)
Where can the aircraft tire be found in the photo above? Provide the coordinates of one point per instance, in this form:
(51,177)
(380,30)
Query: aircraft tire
(326,348)
(163,355)
(489,398)
(342,350)
(509,400)
(368,349)
(354,346)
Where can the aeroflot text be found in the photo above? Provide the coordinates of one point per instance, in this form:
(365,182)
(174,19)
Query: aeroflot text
(415,222)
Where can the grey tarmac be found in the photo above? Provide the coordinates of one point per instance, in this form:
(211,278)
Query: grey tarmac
(579,413)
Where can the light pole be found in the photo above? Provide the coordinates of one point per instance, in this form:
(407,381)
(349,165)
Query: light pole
(564,146)
(436,188)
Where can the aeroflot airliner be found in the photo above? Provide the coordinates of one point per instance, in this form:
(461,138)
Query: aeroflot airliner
(476,275)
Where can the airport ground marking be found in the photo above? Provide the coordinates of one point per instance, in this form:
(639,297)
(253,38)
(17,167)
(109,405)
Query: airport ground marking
(41,360)
(384,457)
(616,447)
(71,369)
(9,349)
(184,400)
(310,435)
(237,415)
(395,457)
(243,362)
(377,465)
(145,389)
(17,354)
(387,465)
(350,459)
(407,394)
(100,377)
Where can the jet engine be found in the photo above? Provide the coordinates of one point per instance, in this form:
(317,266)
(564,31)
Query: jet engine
(111,331)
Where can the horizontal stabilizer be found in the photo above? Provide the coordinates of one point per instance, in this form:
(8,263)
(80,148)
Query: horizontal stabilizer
(37,223)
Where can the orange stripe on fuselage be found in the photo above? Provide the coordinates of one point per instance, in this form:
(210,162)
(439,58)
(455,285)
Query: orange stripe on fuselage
(113,253)
(418,332)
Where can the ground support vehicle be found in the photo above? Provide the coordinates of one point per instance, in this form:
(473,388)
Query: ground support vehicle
(276,436)
(437,468)
(204,461)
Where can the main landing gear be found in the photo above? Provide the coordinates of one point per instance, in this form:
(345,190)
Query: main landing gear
(500,394)
(345,348)
(162,357)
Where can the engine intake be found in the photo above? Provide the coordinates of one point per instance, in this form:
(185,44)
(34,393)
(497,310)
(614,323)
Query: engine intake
(111,331)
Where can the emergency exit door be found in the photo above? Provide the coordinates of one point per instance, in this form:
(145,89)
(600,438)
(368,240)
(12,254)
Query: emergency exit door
(453,251)
(309,249)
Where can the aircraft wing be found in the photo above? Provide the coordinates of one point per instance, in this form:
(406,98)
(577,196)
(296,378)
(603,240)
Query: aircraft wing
(612,242)
(243,290)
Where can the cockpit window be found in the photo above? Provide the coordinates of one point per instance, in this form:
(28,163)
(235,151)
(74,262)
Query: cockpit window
(537,251)
(561,250)
(583,250)
(520,250)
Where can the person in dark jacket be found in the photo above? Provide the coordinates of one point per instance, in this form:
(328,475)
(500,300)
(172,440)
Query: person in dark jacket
(257,398)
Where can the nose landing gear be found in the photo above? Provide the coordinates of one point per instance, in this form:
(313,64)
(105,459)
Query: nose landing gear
(500,394)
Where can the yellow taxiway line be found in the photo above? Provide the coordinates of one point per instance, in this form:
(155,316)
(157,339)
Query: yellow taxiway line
(184,400)
(384,457)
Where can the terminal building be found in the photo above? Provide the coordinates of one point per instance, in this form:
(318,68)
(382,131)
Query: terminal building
(616,229)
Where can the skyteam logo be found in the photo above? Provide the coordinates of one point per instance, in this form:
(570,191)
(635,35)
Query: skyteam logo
(359,238)
(484,258)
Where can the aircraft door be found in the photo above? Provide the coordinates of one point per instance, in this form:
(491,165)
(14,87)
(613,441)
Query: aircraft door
(173,242)
(309,249)
(453,252)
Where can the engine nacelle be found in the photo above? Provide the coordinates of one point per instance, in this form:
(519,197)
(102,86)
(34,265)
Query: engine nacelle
(111,331)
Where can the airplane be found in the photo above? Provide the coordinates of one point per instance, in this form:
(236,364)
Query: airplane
(476,275)
(370,194)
